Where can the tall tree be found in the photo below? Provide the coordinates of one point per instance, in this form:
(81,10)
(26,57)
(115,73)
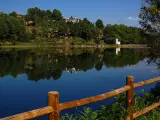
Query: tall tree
(57,15)
(33,14)
(14,14)
(10,27)
(48,14)
(99,24)
(150,16)
(150,21)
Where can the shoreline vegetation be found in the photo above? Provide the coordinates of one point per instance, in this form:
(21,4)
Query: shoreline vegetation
(76,46)
(67,43)
(49,28)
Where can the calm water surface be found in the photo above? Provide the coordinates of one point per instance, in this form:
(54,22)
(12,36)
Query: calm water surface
(26,76)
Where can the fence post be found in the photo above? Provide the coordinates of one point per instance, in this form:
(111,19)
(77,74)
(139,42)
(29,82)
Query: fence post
(53,101)
(130,96)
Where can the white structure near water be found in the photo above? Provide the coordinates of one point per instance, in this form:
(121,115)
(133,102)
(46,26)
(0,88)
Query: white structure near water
(118,50)
(117,42)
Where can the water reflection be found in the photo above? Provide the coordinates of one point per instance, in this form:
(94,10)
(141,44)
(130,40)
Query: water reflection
(47,64)
(97,71)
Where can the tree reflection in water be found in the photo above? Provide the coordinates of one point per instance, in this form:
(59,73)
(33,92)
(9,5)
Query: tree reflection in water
(47,64)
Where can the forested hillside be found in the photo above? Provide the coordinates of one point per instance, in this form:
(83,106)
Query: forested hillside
(50,25)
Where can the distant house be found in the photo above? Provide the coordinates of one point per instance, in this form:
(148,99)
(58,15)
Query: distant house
(19,16)
(29,23)
(72,19)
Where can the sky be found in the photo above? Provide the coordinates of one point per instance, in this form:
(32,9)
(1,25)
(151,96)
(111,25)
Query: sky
(110,11)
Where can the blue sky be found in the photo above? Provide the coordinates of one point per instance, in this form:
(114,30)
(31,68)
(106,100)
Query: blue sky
(110,11)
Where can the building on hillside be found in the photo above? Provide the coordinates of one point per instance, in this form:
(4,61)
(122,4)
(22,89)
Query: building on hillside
(29,23)
(72,19)
(19,16)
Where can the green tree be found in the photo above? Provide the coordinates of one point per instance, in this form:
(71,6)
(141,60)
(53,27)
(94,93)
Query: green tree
(32,14)
(99,24)
(49,14)
(84,29)
(150,16)
(150,21)
(57,15)
(127,35)
(14,14)
(11,28)
(63,28)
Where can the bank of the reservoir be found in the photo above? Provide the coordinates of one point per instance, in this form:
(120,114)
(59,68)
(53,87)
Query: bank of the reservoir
(28,45)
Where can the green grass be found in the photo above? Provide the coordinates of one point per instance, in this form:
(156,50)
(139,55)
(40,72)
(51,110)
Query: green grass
(74,42)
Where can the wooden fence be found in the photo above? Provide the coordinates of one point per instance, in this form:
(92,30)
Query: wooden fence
(54,107)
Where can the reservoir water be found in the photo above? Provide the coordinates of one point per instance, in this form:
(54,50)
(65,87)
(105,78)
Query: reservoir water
(26,76)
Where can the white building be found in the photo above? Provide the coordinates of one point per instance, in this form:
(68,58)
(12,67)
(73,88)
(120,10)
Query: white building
(117,42)
(72,19)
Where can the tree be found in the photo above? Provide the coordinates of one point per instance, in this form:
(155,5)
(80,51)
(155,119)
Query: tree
(127,35)
(14,14)
(33,14)
(150,21)
(49,14)
(99,24)
(62,28)
(57,15)
(11,27)
(84,29)
(150,16)
(3,27)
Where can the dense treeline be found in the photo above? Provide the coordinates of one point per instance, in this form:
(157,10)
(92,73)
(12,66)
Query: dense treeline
(127,35)
(11,28)
(46,65)
(49,25)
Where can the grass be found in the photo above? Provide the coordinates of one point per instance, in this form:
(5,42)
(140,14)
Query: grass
(73,42)
(117,111)
(78,45)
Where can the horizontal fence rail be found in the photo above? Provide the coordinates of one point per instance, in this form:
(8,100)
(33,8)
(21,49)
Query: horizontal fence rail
(53,109)
(88,100)
(146,82)
(30,114)
(145,110)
